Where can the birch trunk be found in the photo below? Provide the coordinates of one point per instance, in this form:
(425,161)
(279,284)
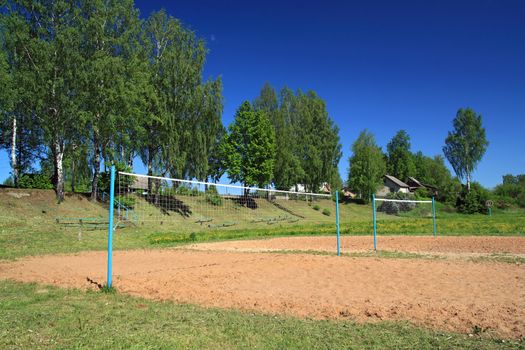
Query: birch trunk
(96,168)
(58,157)
(14,164)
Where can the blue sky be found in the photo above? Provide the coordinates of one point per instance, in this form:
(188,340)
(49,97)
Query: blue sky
(379,65)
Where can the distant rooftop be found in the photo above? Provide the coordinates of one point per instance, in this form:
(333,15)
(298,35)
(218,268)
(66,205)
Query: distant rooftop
(397,181)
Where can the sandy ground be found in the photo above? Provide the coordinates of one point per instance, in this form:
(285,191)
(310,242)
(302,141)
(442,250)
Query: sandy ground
(454,295)
(413,244)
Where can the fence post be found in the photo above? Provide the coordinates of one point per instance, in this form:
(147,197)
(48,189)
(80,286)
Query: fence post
(374,216)
(110,224)
(337,223)
(434,215)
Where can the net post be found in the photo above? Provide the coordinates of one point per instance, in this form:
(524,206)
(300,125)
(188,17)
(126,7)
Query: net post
(375,220)
(110,224)
(337,223)
(434,215)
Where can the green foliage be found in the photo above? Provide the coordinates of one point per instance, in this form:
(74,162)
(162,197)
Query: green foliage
(473,201)
(400,160)
(327,212)
(466,144)
(213,197)
(181,190)
(249,148)
(122,183)
(181,119)
(433,171)
(307,141)
(367,166)
(316,207)
(41,181)
(511,192)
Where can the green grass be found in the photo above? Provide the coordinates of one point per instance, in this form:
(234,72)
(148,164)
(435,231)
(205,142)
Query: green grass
(28,227)
(36,316)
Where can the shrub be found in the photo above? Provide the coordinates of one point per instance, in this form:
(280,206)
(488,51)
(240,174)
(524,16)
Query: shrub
(394,208)
(473,201)
(40,181)
(327,212)
(213,197)
(316,207)
(521,200)
(195,191)
(183,190)
(504,202)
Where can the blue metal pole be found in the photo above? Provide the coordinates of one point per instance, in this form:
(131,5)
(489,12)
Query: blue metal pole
(375,220)
(337,222)
(110,225)
(434,215)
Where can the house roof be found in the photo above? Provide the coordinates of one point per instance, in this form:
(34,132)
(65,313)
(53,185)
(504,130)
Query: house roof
(140,183)
(414,180)
(397,181)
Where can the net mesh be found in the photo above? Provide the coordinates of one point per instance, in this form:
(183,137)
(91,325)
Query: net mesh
(193,205)
(405,216)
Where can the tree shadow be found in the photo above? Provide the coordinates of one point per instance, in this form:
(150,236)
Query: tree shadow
(246,201)
(168,204)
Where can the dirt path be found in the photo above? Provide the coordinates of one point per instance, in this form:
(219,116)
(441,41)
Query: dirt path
(448,295)
(349,244)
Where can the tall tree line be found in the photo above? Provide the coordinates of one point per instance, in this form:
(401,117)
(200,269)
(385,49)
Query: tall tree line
(308,147)
(90,82)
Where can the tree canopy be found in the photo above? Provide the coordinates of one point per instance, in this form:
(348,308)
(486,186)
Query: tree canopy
(307,140)
(249,147)
(367,166)
(466,144)
(400,160)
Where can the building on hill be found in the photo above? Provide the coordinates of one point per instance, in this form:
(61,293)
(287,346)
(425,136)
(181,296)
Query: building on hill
(140,184)
(349,193)
(324,188)
(415,185)
(393,185)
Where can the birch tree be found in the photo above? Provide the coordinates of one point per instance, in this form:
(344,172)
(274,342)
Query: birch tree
(466,144)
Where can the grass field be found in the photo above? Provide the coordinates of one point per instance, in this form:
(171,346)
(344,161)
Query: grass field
(37,316)
(28,227)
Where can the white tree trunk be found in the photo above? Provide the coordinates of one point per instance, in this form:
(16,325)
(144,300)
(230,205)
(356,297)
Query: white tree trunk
(58,151)
(14,164)
(468,182)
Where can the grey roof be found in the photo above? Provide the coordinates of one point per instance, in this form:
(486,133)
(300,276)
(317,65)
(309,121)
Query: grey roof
(140,183)
(397,181)
(414,180)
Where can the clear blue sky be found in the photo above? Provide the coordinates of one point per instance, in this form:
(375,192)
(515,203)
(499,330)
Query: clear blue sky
(379,65)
